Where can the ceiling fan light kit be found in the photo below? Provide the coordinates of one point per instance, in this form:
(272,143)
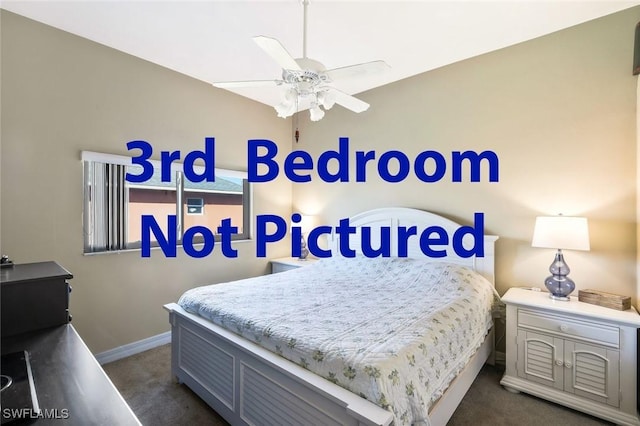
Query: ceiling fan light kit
(316,113)
(305,81)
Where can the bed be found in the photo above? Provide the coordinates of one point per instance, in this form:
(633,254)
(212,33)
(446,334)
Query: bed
(326,357)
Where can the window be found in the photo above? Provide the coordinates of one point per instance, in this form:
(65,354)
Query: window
(113,207)
(195,206)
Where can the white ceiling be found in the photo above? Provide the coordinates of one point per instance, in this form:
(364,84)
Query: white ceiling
(211,40)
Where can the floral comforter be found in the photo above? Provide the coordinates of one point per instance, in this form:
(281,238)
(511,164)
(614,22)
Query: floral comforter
(396,331)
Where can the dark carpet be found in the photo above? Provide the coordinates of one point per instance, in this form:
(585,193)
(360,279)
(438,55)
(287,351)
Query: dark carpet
(146,384)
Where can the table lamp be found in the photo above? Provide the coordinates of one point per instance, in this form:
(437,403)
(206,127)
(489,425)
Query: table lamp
(305,223)
(560,232)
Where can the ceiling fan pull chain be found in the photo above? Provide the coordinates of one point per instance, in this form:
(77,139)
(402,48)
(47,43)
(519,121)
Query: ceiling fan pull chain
(294,121)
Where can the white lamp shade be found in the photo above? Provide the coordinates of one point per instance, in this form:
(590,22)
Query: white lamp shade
(316,113)
(561,232)
(288,106)
(306,223)
(285,110)
(327,99)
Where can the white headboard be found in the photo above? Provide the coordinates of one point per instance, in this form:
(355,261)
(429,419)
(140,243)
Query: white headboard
(394,217)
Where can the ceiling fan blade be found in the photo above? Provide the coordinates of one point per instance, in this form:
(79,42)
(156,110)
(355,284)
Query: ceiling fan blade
(349,102)
(254,83)
(276,50)
(358,70)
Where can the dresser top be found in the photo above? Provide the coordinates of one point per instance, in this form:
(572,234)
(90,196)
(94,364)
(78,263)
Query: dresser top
(32,272)
(68,376)
(541,300)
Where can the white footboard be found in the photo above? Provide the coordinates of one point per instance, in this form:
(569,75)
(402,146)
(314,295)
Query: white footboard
(248,385)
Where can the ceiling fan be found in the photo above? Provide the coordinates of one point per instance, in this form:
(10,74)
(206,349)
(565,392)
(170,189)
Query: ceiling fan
(305,81)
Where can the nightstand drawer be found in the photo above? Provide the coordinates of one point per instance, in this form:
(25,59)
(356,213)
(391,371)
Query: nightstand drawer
(569,327)
(280,267)
(287,263)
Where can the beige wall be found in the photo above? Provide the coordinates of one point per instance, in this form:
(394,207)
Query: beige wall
(637,188)
(62,94)
(560,113)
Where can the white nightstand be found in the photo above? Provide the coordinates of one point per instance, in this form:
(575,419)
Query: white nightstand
(286,263)
(573,353)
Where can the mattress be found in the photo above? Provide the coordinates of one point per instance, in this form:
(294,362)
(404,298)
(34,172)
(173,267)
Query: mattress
(395,331)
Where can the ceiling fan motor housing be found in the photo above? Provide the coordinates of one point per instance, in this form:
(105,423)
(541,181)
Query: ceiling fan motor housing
(308,79)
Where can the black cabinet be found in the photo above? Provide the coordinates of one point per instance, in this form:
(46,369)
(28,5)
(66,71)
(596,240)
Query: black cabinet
(34,296)
(66,385)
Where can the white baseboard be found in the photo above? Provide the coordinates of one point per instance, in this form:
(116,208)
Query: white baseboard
(133,348)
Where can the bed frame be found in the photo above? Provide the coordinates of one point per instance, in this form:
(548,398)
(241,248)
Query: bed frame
(248,385)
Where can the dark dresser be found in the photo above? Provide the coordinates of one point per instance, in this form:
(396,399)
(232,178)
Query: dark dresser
(34,296)
(49,376)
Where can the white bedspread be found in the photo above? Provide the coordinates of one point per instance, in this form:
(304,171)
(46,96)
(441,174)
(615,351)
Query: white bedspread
(395,331)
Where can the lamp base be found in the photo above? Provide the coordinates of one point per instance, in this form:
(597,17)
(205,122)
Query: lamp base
(561,298)
(304,252)
(559,284)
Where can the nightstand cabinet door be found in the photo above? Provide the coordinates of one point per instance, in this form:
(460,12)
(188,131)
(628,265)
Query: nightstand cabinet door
(573,353)
(541,359)
(585,370)
(592,372)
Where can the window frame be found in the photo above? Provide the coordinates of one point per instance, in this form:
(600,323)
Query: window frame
(122,160)
(200,205)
